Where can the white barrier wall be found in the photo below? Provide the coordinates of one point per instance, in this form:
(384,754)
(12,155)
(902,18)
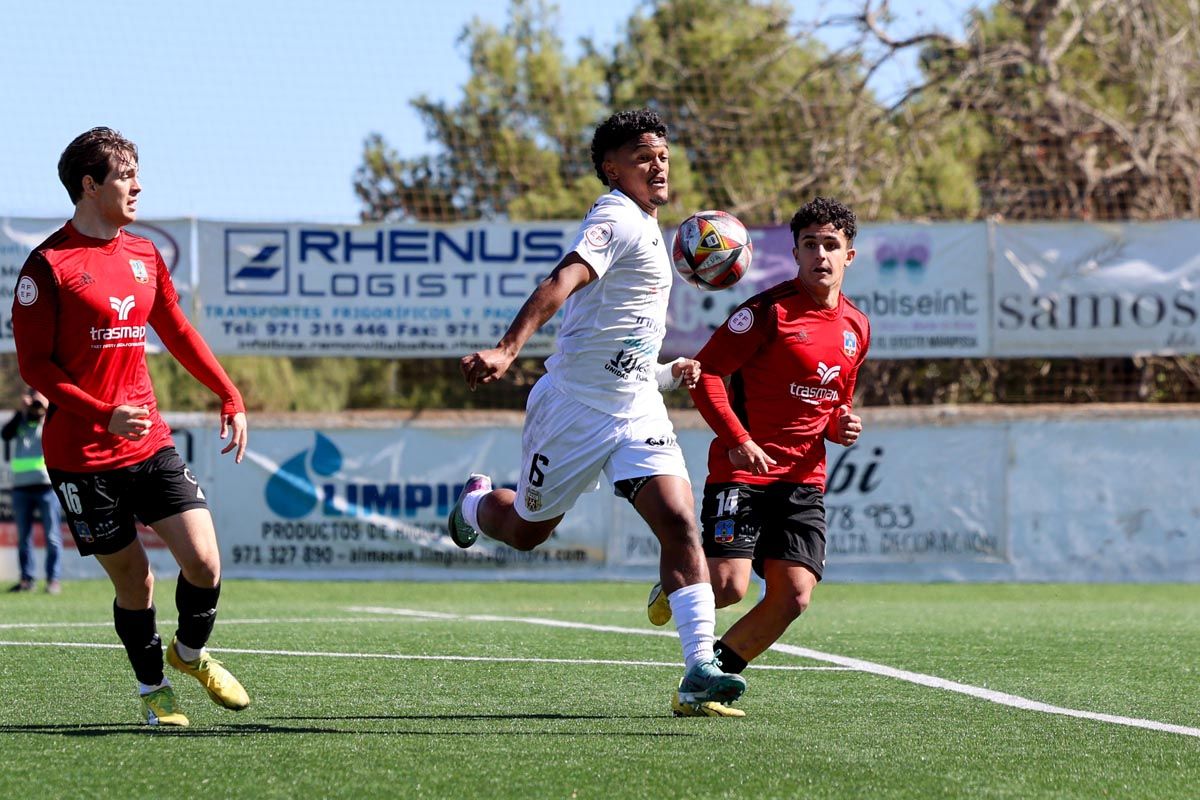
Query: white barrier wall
(1078,495)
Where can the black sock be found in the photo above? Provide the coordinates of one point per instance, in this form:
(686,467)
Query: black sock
(730,660)
(137,632)
(197,612)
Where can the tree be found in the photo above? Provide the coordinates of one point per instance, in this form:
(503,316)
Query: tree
(1091,108)
(514,145)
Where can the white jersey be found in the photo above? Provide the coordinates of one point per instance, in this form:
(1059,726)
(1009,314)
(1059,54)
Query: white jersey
(607,348)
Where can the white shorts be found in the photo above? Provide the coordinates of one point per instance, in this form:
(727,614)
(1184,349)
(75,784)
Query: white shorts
(566,445)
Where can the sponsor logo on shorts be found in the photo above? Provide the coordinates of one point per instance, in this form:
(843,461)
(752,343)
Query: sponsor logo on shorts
(723,531)
(533,500)
(660,441)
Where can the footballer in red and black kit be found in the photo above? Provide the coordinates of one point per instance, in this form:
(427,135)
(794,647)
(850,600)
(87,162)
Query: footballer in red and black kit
(83,303)
(777,381)
(80,321)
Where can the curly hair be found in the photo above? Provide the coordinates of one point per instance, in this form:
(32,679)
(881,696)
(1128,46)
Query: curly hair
(94,153)
(825,211)
(620,129)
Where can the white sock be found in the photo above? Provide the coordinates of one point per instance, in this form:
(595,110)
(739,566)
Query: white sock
(187,653)
(694,609)
(144,690)
(470,506)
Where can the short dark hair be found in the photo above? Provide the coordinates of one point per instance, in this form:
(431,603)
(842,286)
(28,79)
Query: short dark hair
(620,129)
(825,211)
(94,153)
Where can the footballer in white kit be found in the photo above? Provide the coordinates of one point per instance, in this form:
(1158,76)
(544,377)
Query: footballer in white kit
(598,408)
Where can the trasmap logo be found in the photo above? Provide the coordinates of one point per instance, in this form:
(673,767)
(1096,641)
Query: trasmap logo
(122,306)
(256,261)
(827,373)
(813,395)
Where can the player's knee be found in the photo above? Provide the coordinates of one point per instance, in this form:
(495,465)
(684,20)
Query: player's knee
(203,573)
(728,593)
(134,588)
(677,526)
(791,606)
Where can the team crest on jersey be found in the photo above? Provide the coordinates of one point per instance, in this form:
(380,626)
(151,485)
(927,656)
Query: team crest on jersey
(139,271)
(599,235)
(533,499)
(849,343)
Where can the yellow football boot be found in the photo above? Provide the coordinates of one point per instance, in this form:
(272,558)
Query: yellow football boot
(160,708)
(657,607)
(219,682)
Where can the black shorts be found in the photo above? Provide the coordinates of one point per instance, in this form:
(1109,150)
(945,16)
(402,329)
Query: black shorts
(101,507)
(784,521)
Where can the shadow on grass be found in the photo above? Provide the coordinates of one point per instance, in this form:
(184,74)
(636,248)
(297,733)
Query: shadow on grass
(469,717)
(253,729)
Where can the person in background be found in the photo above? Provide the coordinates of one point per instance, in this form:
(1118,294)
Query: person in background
(31,493)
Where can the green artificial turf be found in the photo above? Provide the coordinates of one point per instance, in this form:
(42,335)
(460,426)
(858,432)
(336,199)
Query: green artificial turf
(534,718)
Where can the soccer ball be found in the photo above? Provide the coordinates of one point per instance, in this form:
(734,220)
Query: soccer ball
(712,250)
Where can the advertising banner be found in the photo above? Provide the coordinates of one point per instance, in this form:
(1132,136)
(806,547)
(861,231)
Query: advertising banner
(19,235)
(405,291)
(924,288)
(1097,290)
(1037,499)
(374,503)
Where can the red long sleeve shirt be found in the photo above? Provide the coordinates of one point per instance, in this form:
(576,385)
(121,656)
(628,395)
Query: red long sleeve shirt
(792,366)
(80,313)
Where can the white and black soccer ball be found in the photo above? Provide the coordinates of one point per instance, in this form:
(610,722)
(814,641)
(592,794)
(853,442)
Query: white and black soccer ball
(712,250)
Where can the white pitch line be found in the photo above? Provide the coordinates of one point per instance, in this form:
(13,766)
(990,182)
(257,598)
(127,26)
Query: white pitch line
(109,624)
(403,657)
(932,681)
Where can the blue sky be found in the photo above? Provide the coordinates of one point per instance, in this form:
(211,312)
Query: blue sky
(257,109)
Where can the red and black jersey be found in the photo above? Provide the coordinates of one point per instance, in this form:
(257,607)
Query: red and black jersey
(791,366)
(80,313)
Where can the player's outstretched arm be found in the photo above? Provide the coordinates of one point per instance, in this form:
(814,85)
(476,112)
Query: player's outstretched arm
(487,366)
